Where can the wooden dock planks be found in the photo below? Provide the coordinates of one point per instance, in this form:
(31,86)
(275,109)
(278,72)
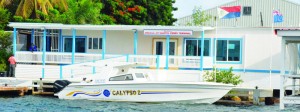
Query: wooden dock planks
(20,90)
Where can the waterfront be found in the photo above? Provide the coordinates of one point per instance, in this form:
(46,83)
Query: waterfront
(31,103)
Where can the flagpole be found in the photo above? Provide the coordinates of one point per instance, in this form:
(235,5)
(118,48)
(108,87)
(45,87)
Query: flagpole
(215,51)
(271,56)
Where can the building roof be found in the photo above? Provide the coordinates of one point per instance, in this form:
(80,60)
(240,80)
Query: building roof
(104,27)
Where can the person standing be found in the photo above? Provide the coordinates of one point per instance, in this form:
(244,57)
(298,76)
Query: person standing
(32,47)
(12,66)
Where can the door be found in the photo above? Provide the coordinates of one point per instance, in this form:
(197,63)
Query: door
(159,48)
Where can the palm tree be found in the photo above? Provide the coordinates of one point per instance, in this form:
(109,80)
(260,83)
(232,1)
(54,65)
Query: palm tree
(31,8)
(4,3)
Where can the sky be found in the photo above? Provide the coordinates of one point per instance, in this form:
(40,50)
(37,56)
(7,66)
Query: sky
(185,7)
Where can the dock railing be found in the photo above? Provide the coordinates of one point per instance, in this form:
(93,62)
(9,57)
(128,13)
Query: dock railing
(58,57)
(60,63)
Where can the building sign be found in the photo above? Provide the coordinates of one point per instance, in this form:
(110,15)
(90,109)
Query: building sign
(169,32)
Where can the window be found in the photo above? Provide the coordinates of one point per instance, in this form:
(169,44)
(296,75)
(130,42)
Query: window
(229,50)
(159,48)
(95,43)
(139,75)
(90,43)
(247,10)
(126,77)
(193,47)
(100,43)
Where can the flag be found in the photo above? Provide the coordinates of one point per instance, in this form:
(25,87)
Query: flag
(277,16)
(229,12)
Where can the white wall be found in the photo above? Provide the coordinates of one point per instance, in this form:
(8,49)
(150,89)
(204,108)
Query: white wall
(87,33)
(122,42)
(257,46)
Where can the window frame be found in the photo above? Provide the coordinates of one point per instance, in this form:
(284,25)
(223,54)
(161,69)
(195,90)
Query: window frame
(229,39)
(122,76)
(99,39)
(247,7)
(77,37)
(198,39)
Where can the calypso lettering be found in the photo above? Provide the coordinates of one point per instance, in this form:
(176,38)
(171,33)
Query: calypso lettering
(126,92)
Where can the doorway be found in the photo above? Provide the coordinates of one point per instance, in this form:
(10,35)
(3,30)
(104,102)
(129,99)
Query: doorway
(160,44)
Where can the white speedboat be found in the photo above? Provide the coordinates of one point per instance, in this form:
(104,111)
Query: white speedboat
(135,87)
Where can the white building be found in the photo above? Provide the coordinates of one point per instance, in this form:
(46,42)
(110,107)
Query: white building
(250,51)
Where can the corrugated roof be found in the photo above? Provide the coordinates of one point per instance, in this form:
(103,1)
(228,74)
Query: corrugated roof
(104,27)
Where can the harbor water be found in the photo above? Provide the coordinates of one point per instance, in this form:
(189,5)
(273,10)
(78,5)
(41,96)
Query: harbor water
(31,103)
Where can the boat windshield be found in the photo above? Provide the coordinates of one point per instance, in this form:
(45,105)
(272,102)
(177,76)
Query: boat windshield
(139,75)
(126,77)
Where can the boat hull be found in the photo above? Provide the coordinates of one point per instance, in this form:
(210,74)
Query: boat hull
(147,92)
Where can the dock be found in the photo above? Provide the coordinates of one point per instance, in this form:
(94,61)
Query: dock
(294,98)
(42,87)
(12,85)
(248,96)
(21,86)
(20,90)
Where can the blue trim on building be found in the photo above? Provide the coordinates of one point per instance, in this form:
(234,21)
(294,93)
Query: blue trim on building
(32,35)
(15,41)
(94,68)
(48,43)
(44,52)
(202,51)
(60,72)
(235,70)
(127,57)
(103,43)
(135,42)
(73,45)
(230,62)
(60,47)
(167,52)
(143,67)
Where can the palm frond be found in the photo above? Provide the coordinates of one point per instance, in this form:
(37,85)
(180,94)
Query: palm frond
(62,5)
(4,3)
(25,8)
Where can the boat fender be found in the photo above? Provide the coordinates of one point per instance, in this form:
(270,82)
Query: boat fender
(59,85)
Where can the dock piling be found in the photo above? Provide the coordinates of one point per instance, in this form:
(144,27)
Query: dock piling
(256,96)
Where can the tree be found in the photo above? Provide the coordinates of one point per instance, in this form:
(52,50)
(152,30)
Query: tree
(123,12)
(159,12)
(78,13)
(147,12)
(4,18)
(199,17)
(4,3)
(5,43)
(32,9)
